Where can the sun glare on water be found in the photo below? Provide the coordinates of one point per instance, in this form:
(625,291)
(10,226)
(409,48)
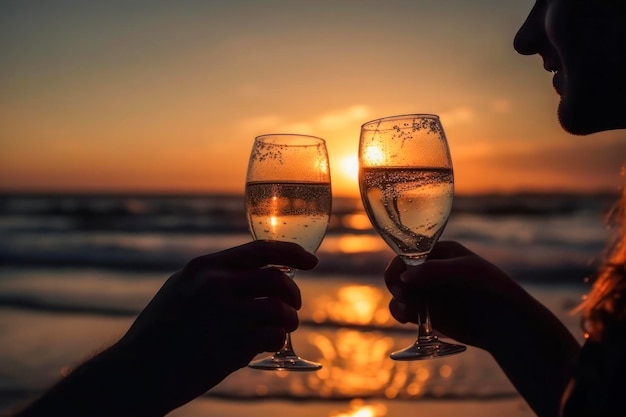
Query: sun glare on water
(359,409)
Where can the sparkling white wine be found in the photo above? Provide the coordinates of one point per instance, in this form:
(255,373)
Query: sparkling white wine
(289,211)
(409,207)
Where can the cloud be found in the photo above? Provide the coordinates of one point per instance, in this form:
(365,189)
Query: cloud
(343,118)
(275,124)
(301,128)
(592,164)
(332,121)
(459,115)
(261,123)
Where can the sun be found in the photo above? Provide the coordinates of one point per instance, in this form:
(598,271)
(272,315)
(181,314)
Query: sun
(374,155)
(350,167)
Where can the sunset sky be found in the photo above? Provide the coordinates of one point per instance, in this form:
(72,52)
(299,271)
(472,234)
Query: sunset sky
(168,95)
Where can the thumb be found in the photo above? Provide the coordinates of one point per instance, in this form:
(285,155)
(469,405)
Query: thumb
(261,253)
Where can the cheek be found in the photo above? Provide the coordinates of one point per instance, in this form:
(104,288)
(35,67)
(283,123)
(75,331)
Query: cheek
(556,24)
(571,29)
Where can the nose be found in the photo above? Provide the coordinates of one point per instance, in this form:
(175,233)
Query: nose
(531,35)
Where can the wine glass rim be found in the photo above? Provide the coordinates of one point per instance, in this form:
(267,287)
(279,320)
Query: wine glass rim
(400,117)
(312,140)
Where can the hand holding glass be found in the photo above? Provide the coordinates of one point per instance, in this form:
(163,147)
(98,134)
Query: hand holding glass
(288,198)
(407,187)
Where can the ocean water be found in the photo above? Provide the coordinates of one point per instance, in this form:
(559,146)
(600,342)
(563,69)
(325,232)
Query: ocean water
(76,269)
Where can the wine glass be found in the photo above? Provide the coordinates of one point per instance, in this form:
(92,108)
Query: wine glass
(288,198)
(407,187)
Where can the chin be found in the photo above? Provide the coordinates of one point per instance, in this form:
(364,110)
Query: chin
(589,103)
(576,125)
(590,118)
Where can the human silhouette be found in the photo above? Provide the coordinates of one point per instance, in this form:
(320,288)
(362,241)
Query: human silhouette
(583,43)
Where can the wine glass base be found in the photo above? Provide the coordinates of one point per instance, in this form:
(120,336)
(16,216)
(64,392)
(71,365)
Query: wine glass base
(432,348)
(285,363)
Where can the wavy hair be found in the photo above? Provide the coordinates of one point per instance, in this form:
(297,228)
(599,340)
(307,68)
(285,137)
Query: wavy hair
(604,308)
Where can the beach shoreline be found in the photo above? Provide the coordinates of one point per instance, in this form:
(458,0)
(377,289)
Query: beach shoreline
(75,271)
(510,407)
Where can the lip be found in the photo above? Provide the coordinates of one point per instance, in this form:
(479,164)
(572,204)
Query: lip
(557,82)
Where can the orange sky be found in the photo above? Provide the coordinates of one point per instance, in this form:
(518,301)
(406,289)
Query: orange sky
(169,96)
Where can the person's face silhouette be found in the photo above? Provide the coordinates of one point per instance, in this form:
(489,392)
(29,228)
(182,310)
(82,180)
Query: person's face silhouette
(583,42)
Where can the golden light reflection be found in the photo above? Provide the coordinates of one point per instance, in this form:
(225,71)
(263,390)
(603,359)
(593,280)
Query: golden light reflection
(358,221)
(391,393)
(356,244)
(355,363)
(323,166)
(358,408)
(413,389)
(354,347)
(373,155)
(274,209)
(445,371)
(353,304)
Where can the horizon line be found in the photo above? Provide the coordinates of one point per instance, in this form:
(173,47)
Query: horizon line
(201,193)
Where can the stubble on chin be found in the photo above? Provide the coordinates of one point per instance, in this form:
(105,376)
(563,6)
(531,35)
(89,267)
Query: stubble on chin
(584,115)
(567,122)
(592,103)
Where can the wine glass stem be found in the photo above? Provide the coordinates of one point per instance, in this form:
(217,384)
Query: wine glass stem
(287,349)
(424,328)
